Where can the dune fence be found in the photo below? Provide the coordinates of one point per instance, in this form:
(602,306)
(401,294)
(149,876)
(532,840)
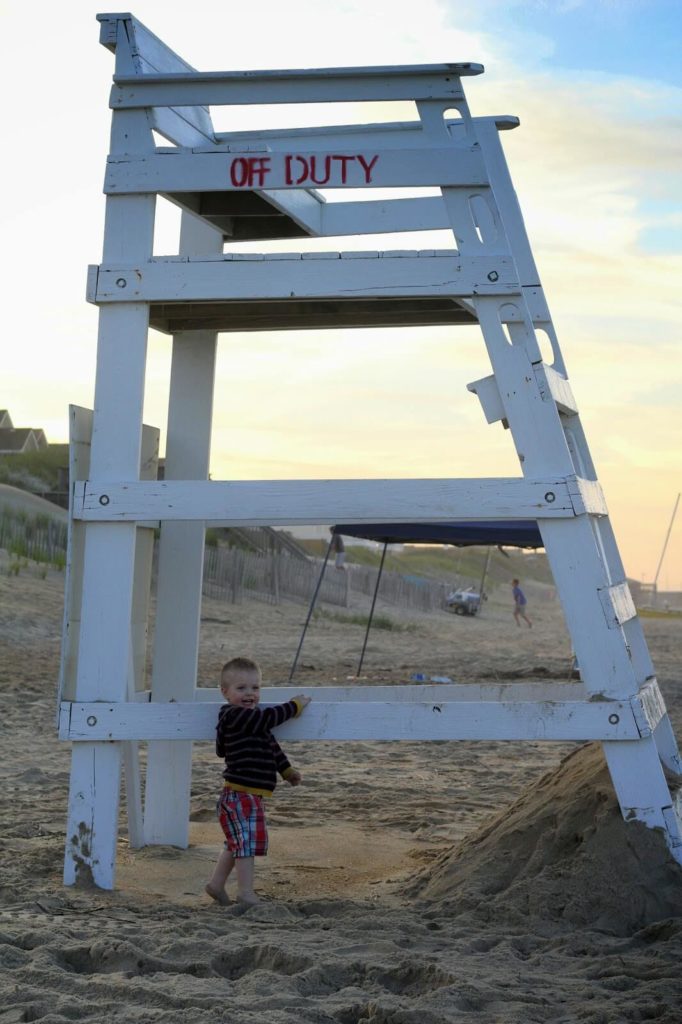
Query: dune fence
(35,537)
(231,574)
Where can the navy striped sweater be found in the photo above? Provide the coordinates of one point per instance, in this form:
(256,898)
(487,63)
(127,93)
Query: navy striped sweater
(253,757)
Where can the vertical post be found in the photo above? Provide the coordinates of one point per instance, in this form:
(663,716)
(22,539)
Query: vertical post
(181,558)
(104,648)
(109,554)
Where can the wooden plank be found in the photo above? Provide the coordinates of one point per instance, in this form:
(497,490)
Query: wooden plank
(304,314)
(368,720)
(180,171)
(92,817)
(649,708)
(419,692)
(617,604)
(181,563)
(314,85)
(147,54)
(560,390)
(280,502)
(641,788)
(109,553)
(228,279)
(304,206)
(379,216)
(385,134)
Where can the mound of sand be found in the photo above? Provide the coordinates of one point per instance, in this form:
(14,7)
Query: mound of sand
(23,501)
(562,851)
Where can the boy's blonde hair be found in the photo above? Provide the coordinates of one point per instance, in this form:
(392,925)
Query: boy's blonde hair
(235,666)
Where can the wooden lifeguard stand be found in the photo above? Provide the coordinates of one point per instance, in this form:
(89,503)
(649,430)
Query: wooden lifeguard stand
(262,184)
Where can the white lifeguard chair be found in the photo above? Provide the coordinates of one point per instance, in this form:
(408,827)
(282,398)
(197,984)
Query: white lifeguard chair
(262,184)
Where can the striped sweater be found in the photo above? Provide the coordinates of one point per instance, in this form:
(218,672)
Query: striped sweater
(253,757)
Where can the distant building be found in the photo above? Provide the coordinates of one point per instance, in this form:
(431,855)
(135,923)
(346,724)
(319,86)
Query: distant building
(19,440)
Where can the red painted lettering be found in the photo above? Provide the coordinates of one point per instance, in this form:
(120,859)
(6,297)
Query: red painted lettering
(249,171)
(239,172)
(259,168)
(367,167)
(305,172)
(344,161)
(287,169)
(327,170)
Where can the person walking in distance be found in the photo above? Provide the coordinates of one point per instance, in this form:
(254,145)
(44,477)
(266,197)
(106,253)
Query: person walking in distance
(520,604)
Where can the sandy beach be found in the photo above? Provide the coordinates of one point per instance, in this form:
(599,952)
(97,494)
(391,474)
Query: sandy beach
(407,883)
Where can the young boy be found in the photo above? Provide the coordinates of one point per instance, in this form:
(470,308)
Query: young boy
(520,604)
(253,757)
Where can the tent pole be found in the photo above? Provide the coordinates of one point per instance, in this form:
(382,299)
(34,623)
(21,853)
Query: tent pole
(371,611)
(483,577)
(312,606)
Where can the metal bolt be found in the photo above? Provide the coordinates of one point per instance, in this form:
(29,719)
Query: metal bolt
(121,282)
(614,719)
(104,499)
(550,496)
(436,707)
(91,720)
(493,275)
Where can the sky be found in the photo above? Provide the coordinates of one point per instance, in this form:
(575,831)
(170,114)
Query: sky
(596,163)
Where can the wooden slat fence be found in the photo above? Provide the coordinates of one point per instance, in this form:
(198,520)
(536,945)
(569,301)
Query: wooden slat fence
(231,574)
(36,537)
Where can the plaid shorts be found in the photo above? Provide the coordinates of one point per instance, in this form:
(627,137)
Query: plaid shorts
(242,819)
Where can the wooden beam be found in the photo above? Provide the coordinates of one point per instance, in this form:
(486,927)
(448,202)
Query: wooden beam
(241,277)
(181,170)
(386,134)
(289,502)
(314,85)
(366,720)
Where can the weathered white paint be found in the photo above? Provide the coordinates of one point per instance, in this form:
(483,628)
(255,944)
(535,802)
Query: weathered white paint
(181,171)
(617,604)
(420,692)
(282,502)
(181,563)
(386,135)
(109,550)
(138,51)
(317,85)
(368,720)
(252,276)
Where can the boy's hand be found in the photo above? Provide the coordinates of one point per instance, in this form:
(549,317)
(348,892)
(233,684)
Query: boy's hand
(302,700)
(294,778)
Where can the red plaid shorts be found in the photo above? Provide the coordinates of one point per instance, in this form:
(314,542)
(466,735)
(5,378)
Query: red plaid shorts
(242,819)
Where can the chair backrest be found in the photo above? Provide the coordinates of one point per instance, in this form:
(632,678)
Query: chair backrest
(138,51)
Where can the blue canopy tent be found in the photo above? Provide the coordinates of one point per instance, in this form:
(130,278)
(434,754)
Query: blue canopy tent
(497,533)
(502,533)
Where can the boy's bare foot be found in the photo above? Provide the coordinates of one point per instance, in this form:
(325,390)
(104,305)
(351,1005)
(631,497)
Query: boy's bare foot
(219,895)
(248,899)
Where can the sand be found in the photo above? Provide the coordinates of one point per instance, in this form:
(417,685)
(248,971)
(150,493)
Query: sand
(429,883)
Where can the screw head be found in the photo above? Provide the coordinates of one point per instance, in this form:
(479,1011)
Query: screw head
(104,499)
(550,496)
(614,719)
(91,720)
(121,282)
(493,275)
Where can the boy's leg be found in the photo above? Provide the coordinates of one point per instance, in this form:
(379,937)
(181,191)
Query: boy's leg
(245,874)
(215,887)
